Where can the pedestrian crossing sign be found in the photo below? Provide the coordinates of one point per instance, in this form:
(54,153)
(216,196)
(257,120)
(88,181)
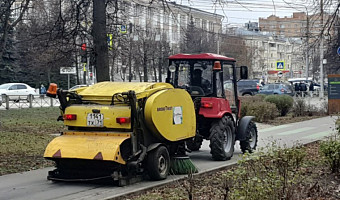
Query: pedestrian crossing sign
(280,65)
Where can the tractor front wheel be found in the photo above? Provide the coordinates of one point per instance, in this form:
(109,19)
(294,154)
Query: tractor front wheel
(158,163)
(195,143)
(249,145)
(222,139)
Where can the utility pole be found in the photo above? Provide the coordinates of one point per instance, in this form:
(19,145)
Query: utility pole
(321,95)
(218,43)
(130,52)
(307,47)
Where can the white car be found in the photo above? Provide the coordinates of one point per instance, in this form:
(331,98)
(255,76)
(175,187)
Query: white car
(16,91)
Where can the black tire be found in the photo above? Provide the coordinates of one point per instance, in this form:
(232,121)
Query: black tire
(195,143)
(158,163)
(249,145)
(222,139)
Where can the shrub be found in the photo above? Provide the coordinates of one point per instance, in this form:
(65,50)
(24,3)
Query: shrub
(331,151)
(263,111)
(299,107)
(283,102)
(267,176)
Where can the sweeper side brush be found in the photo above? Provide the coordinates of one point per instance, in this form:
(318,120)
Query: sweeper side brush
(123,130)
(182,165)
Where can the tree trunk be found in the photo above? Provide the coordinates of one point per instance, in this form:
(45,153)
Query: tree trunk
(99,40)
(145,65)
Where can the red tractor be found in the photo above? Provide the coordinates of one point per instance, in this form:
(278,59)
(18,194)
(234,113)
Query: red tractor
(217,108)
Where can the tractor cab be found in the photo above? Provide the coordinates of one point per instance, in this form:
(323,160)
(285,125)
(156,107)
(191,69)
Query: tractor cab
(202,75)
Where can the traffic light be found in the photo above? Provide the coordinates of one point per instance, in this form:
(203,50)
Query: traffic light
(83,53)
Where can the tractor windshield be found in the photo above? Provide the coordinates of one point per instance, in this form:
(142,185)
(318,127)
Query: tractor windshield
(196,74)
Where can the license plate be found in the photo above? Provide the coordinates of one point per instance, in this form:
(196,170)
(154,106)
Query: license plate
(95,119)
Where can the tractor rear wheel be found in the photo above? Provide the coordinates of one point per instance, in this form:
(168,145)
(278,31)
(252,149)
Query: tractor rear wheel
(249,145)
(158,163)
(222,139)
(195,143)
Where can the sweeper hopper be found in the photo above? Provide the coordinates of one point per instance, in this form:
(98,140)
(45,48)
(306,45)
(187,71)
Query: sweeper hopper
(121,130)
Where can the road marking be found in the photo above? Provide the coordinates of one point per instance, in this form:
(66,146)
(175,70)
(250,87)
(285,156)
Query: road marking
(318,135)
(299,130)
(274,128)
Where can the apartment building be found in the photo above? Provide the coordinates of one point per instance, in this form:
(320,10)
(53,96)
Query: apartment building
(294,26)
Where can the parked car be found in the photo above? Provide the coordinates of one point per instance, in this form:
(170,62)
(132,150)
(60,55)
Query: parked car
(248,87)
(16,91)
(277,88)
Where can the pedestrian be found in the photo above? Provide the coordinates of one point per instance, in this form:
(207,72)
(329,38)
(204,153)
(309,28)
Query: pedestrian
(303,88)
(297,89)
(42,90)
(311,89)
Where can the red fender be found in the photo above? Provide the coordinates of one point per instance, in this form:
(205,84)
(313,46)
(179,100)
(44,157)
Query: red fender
(212,107)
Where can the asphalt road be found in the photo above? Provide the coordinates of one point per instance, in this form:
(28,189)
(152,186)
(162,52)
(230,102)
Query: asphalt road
(33,184)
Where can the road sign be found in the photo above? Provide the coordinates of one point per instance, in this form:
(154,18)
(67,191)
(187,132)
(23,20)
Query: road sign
(280,65)
(109,41)
(338,51)
(279,74)
(123,29)
(68,70)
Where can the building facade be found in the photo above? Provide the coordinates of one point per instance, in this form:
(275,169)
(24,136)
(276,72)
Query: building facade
(296,26)
(268,52)
(168,20)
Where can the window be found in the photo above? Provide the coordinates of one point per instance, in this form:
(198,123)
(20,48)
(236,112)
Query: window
(13,87)
(272,44)
(277,87)
(211,26)
(227,71)
(137,10)
(218,85)
(204,25)
(165,18)
(22,87)
(271,87)
(197,22)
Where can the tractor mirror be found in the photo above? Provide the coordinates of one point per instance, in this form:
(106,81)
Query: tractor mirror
(244,72)
(172,68)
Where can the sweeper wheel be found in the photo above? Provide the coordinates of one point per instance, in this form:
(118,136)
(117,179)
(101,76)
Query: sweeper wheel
(158,163)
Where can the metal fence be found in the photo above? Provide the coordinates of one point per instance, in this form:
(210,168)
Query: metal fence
(31,101)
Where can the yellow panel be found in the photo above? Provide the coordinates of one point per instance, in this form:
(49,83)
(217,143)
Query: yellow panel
(84,145)
(110,114)
(102,92)
(171,114)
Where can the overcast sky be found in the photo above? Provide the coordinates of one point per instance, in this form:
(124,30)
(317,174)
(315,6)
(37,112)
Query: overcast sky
(242,11)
